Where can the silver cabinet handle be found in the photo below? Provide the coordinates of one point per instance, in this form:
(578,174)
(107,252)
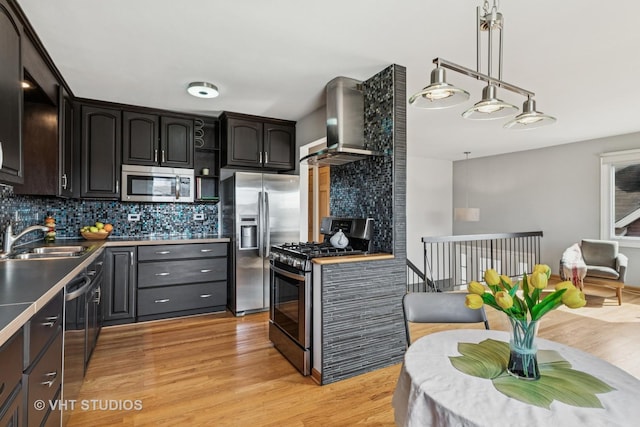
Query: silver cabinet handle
(131,253)
(260,161)
(117,186)
(206,250)
(53,375)
(163,252)
(205,295)
(64,181)
(162,301)
(155,156)
(163,156)
(50,321)
(163,274)
(177,187)
(206,270)
(266,157)
(98,296)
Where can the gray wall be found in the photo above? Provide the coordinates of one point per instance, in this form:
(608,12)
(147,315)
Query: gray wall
(555,190)
(311,127)
(428,201)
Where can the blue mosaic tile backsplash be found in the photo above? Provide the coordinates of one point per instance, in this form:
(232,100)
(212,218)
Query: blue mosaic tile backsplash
(364,189)
(159,219)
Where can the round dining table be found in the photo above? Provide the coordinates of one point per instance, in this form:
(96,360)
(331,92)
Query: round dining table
(431,392)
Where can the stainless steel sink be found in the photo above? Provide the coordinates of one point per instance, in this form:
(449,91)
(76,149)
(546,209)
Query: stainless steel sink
(57,249)
(51,252)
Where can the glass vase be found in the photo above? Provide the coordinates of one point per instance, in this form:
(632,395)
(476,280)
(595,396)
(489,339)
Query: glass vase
(523,360)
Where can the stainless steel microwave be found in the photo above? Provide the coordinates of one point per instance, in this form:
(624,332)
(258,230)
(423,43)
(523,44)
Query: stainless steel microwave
(156,184)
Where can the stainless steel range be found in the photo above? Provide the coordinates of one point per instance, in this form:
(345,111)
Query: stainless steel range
(291,267)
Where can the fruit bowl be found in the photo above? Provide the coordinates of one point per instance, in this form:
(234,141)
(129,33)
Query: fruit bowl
(94,236)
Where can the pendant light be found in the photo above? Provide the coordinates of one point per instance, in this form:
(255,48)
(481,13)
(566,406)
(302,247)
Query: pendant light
(529,118)
(489,107)
(466,214)
(439,94)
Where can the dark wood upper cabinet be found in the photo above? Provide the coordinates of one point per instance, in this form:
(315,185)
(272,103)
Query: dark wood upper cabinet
(140,138)
(11,167)
(258,143)
(67,149)
(153,140)
(176,142)
(47,130)
(244,143)
(101,141)
(40,148)
(279,146)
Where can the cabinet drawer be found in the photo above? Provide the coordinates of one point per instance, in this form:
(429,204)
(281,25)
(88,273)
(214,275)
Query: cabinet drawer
(187,271)
(11,365)
(181,297)
(42,326)
(195,250)
(44,380)
(11,415)
(54,416)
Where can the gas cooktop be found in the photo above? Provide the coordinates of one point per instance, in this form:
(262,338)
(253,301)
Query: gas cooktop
(310,250)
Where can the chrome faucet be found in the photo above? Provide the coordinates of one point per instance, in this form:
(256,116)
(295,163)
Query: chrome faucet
(10,239)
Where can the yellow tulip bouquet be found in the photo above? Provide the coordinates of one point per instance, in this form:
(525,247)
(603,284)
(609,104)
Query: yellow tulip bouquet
(524,310)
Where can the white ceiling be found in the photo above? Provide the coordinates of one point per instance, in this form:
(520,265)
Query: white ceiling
(273,58)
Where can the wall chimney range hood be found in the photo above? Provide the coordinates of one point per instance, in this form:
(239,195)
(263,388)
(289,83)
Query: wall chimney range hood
(345,125)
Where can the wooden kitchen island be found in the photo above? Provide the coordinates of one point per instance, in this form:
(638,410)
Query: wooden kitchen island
(357,315)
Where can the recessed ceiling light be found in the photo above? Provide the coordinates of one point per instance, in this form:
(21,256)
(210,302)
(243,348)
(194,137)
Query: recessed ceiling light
(203,90)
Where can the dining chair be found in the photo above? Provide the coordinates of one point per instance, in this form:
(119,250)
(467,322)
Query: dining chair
(439,307)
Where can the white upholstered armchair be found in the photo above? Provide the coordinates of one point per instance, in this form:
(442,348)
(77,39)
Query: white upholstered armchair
(596,262)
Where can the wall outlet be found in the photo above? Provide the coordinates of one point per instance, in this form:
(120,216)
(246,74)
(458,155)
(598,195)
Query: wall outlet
(133,217)
(198,217)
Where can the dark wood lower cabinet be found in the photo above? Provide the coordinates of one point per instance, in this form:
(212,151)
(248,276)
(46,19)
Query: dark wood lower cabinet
(119,288)
(167,299)
(11,414)
(43,382)
(176,280)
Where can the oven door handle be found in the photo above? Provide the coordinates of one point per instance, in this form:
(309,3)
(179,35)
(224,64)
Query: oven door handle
(288,274)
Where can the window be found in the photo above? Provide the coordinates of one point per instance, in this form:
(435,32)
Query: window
(620,197)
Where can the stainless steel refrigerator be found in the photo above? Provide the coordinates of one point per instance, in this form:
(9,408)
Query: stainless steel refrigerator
(257,211)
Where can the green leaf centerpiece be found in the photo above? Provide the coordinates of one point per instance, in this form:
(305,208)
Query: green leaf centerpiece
(558,381)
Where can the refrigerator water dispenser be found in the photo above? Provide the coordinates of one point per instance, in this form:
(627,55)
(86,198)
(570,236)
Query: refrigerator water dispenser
(249,234)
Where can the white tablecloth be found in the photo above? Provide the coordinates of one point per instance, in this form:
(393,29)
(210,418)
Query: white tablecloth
(431,392)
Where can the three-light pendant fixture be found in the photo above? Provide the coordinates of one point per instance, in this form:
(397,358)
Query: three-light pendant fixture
(440,94)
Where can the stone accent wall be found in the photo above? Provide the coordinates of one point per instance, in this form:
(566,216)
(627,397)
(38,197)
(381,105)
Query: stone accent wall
(364,189)
(362,323)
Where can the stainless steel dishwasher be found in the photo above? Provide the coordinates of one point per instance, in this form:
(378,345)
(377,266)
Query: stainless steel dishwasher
(83,320)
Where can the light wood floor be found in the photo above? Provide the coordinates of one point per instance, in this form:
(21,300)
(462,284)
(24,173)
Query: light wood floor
(217,370)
